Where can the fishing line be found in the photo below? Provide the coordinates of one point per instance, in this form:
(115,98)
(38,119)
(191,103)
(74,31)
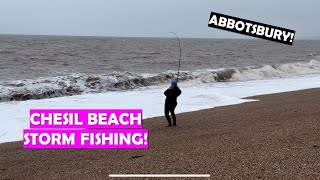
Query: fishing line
(179,54)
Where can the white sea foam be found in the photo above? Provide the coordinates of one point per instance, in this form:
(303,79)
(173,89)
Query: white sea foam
(277,71)
(195,96)
(74,84)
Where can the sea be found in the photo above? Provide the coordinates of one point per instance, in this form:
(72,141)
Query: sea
(127,72)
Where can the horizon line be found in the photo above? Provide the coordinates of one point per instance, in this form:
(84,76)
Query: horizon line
(165,37)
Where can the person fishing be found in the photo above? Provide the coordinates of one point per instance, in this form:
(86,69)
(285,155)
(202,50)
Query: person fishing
(171,102)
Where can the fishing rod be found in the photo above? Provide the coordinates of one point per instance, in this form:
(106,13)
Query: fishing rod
(179,54)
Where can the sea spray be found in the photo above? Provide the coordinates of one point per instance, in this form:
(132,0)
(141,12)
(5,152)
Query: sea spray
(77,83)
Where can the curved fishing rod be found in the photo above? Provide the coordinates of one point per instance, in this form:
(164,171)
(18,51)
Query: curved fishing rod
(179,54)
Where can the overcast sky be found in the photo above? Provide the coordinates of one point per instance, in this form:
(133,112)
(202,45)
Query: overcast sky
(152,18)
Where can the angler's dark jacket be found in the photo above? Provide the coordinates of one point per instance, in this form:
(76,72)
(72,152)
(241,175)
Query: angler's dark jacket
(172,93)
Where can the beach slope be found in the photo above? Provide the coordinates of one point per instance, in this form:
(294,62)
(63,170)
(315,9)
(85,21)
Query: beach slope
(277,137)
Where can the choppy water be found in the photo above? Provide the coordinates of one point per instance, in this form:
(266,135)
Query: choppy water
(41,67)
(37,67)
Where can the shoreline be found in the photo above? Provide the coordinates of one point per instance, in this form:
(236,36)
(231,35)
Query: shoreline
(275,137)
(247,100)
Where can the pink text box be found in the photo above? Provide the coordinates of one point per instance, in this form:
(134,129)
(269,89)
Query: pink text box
(74,116)
(87,138)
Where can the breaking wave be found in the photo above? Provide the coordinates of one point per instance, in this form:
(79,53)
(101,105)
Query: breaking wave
(276,71)
(74,84)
